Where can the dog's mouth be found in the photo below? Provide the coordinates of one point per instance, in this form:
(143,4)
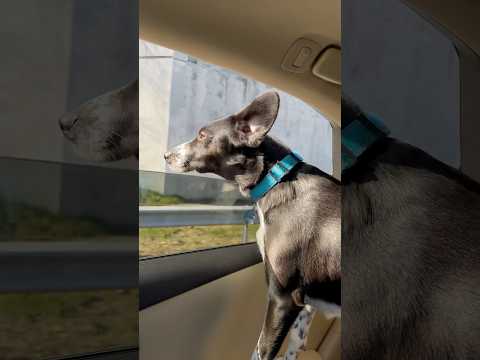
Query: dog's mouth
(69,135)
(186,165)
(74,122)
(178,165)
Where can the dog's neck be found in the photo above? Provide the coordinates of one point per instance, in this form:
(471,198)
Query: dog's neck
(272,151)
(267,155)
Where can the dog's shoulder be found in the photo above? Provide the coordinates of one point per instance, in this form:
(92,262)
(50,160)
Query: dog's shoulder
(313,186)
(401,160)
(306,170)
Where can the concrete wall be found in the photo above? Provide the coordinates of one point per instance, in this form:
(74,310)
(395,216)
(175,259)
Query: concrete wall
(104,56)
(398,66)
(57,54)
(34,77)
(155,74)
(179,94)
(203,92)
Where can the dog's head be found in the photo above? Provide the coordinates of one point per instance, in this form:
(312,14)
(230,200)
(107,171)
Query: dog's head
(106,127)
(229,147)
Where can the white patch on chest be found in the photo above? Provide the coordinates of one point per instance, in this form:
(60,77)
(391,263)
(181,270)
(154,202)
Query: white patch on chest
(260,235)
(329,310)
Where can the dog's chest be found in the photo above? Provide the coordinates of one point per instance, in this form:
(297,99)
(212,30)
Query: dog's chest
(261,232)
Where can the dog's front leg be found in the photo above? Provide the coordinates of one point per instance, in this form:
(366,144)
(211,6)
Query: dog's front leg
(281,313)
(298,334)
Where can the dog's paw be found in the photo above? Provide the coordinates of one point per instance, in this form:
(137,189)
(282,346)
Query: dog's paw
(288,356)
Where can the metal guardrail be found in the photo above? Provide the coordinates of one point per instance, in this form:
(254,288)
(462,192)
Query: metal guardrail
(69,265)
(184,215)
(197,214)
(101,263)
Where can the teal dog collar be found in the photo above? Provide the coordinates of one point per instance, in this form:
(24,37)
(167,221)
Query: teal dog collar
(358,135)
(275,175)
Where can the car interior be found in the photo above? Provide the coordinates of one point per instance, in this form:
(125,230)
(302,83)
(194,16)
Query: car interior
(204,304)
(459,24)
(210,304)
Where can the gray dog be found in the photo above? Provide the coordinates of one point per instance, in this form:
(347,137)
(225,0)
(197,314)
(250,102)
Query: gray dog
(106,127)
(411,256)
(299,235)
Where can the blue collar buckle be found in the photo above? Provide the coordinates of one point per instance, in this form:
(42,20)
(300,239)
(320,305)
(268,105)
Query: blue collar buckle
(359,135)
(275,175)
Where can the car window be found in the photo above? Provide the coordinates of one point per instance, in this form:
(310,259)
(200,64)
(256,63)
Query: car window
(178,95)
(68,223)
(69,280)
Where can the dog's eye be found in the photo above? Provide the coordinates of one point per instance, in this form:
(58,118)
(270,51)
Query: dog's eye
(202,135)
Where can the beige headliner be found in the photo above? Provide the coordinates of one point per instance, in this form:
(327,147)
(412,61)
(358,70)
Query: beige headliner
(250,37)
(460,17)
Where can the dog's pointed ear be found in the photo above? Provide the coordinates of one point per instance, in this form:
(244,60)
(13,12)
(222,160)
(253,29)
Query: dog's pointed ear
(255,121)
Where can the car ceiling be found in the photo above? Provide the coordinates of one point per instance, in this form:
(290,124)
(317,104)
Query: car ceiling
(251,37)
(459,18)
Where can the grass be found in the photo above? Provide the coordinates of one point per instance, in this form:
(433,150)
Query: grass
(44,325)
(173,240)
(165,241)
(153,198)
(32,224)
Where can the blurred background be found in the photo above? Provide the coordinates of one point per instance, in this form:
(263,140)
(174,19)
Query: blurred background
(68,230)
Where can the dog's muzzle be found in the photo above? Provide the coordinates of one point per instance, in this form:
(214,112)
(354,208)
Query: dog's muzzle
(171,159)
(177,160)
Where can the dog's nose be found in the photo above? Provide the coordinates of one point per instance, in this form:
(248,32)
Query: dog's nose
(67,122)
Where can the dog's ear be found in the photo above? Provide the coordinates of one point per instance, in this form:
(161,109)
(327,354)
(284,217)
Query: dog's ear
(255,121)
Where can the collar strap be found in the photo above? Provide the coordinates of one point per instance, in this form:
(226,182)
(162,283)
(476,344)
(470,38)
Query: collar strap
(275,175)
(358,135)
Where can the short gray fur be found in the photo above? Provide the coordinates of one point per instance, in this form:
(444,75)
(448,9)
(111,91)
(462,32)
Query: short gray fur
(410,256)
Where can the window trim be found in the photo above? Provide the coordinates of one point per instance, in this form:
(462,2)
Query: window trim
(161,278)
